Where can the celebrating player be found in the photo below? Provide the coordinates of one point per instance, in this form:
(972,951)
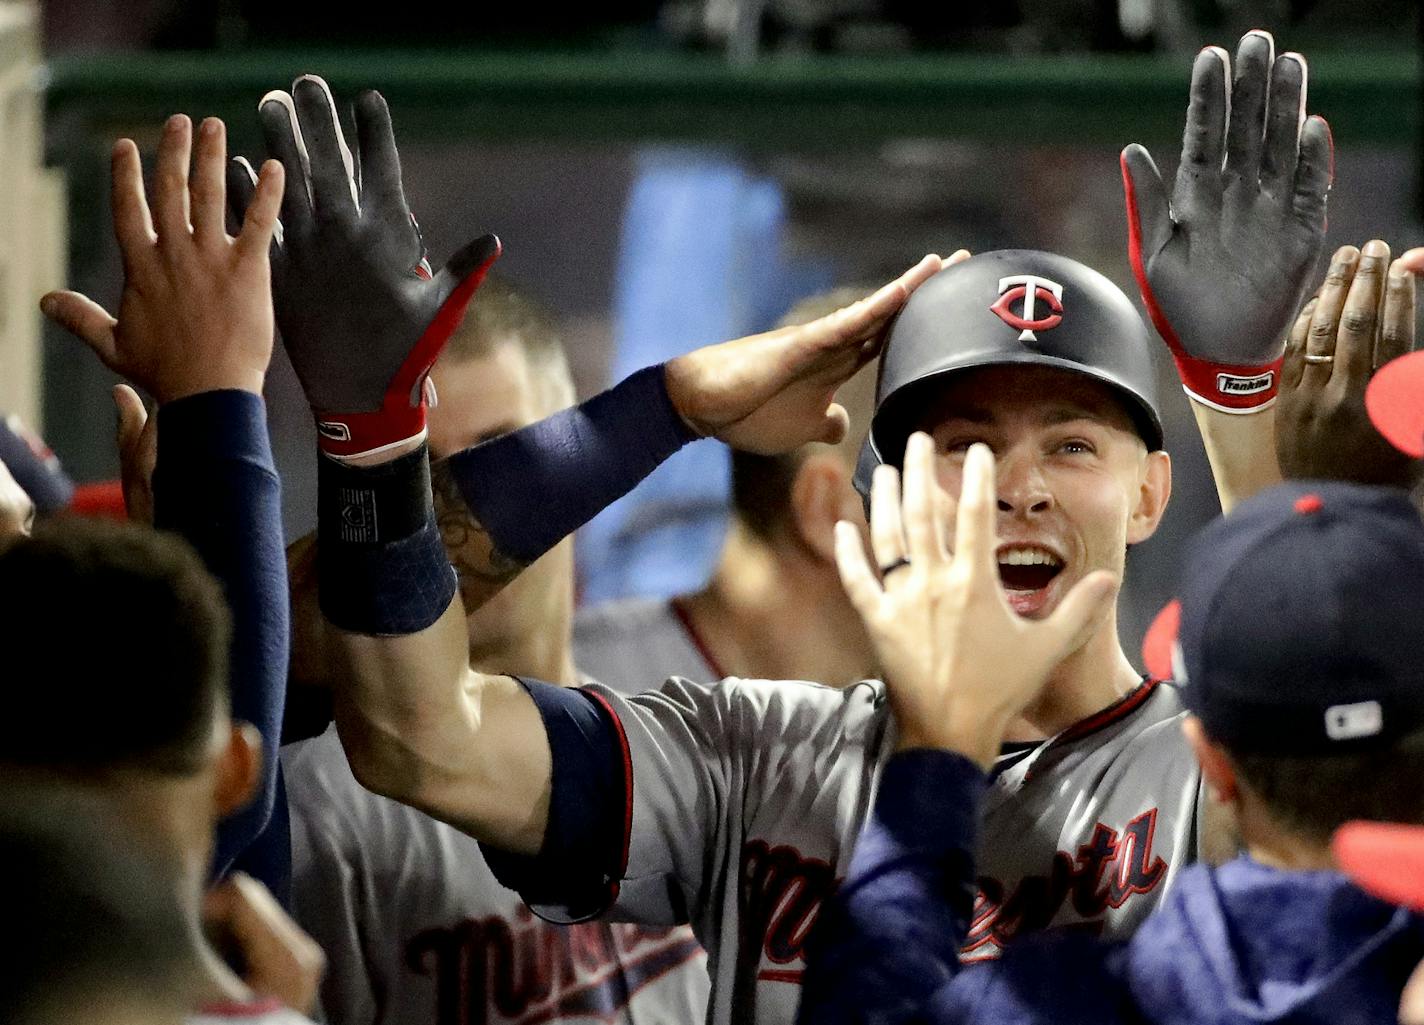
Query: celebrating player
(442,941)
(733,806)
(174,728)
(1272,936)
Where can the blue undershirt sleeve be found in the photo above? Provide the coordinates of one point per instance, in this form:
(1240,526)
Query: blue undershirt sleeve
(215,484)
(890,936)
(533,487)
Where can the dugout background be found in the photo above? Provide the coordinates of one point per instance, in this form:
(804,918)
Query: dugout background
(538,127)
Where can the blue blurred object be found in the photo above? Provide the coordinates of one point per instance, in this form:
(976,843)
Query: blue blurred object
(700,262)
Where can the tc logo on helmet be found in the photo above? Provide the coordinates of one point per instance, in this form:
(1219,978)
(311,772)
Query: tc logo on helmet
(1031,289)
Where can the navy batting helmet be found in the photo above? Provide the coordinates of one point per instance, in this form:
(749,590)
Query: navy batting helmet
(1009,307)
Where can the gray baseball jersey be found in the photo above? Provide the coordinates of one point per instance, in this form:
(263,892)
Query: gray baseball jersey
(748,796)
(614,638)
(417,931)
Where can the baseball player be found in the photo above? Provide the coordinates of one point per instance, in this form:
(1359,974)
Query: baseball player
(415,927)
(1273,936)
(180,730)
(773,607)
(734,806)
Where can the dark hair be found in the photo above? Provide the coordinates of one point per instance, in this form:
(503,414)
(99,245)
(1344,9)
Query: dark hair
(96,916)
(761,485)
(1314,796)
(502,313)
(761,489)
(115,643)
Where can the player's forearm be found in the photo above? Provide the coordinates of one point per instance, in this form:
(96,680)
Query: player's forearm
(890,937)
(1241,448)
(418,725)
(463,747)
(215,484)
(528,490)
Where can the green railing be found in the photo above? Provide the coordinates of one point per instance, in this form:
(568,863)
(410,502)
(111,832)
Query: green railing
(817,102)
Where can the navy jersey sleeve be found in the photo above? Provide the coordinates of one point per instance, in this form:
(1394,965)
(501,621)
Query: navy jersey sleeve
(216,485)
(890,937)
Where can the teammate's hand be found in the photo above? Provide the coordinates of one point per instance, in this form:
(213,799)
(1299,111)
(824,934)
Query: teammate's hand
(196,310)
(361,314)
(1224,261)
(279,960)
(773,392)
(1362,317)
(17,512)
(960,664)
(137,437)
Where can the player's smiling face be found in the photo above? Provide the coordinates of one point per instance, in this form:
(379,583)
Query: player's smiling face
(1076,485)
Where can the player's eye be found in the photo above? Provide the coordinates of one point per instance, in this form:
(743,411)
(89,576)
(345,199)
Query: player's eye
(1077,446)
(958,446)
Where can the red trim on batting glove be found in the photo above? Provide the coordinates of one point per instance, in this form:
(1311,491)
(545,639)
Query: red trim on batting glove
(1229,389)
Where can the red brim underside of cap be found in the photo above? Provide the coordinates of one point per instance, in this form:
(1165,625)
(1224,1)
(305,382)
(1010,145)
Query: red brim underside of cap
(1395,400)
(1157,642)
(1384,858)
(104,500)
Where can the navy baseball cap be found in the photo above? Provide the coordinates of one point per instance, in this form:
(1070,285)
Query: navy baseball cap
(1302,614)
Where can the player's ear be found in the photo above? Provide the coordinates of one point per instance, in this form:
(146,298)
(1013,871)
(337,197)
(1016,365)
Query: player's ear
(1216,767)
(821,494)
(1153,490)
(239,767)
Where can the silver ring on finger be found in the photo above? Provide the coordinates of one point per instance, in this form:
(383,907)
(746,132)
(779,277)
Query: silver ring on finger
(1319,357)
(899,563)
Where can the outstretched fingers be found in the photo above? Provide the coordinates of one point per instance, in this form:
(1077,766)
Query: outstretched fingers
(1284,117)
(277,113)
(887,536)
(1315,172)
(924,534)
(170,181)
(1203,139)
(974,526)
(209,189)
(1245,132)
(85,319)
(1149,211)
(1396,334)
(330,162)
(133,225)
(259,224)
(861,585)
(380,184)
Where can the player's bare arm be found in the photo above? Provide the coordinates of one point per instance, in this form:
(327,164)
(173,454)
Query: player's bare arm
(417,723)
(1224,258)
(960,663)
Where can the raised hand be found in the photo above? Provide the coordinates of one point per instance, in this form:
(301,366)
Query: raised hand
(1360,320)
(196,310)
(773,392)
(361,314)
(1223,261)
(959,663)
(280,961)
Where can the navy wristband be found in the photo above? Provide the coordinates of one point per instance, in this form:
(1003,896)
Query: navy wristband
(535,486)
(382,567)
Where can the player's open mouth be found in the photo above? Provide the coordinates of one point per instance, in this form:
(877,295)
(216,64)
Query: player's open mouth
(1026,571)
